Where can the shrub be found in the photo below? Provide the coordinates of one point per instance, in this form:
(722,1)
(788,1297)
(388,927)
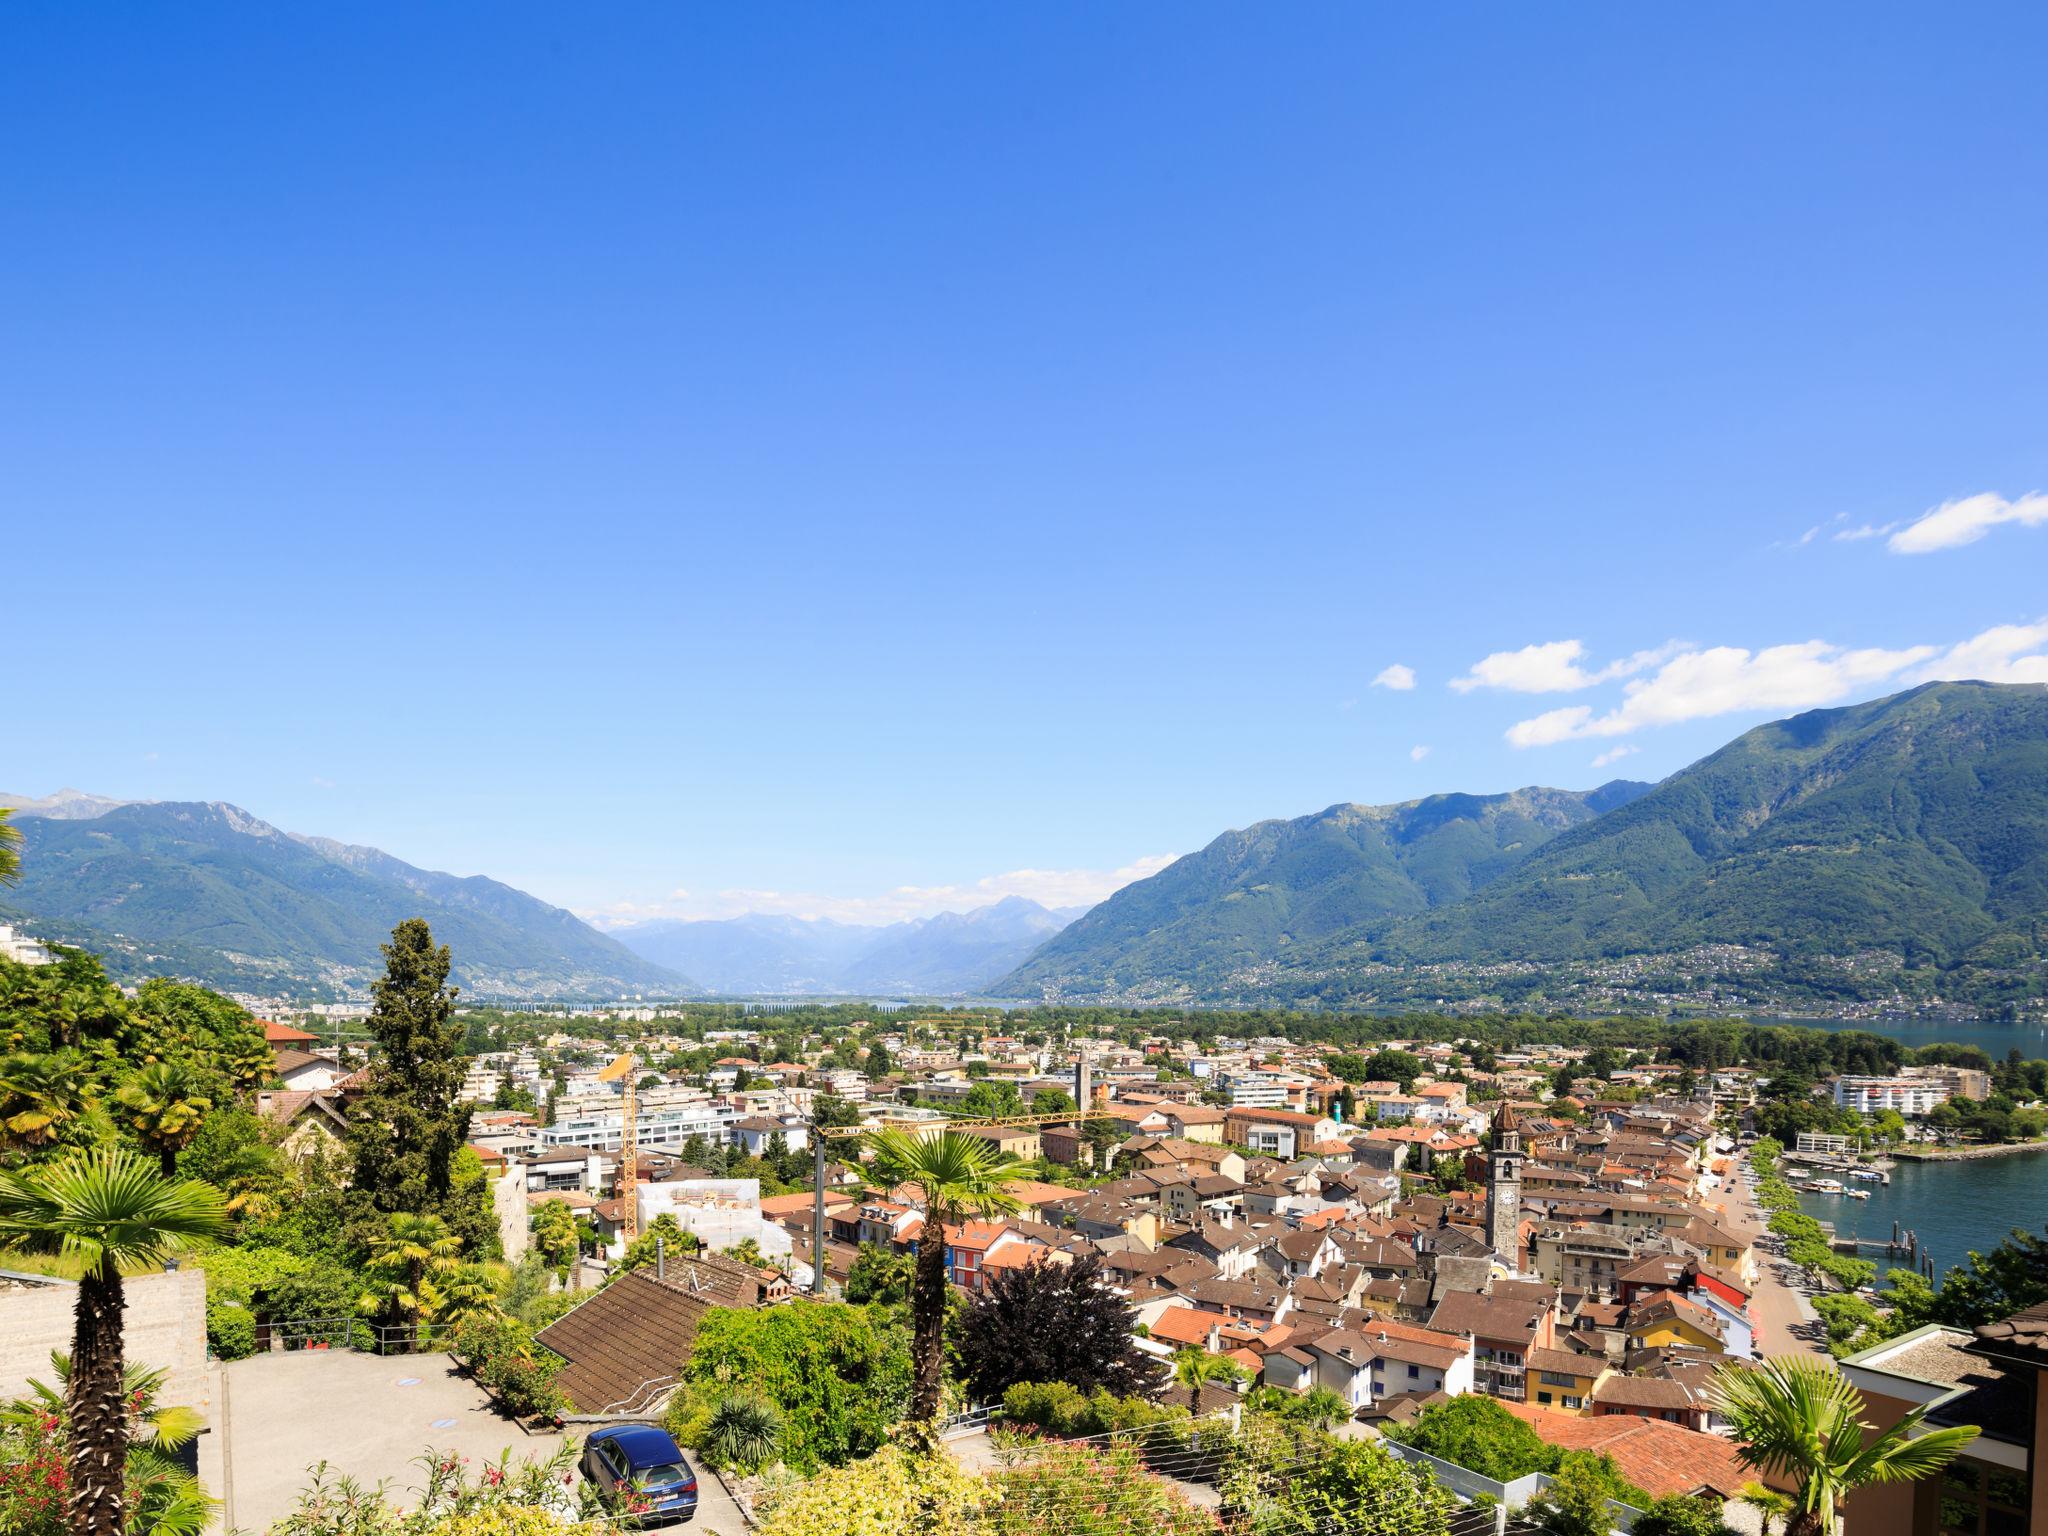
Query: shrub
(891,1493)
(1680,1514)
(840,1382)
(502,1355)
(230,1329)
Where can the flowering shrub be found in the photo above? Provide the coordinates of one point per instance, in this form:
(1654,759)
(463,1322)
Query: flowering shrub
(500,1498)
(503,1356)
(33,1481)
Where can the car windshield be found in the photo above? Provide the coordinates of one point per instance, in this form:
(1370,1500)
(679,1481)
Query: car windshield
(660,1479)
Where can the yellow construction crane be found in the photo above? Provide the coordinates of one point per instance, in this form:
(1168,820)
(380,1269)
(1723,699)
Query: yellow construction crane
(624,1068)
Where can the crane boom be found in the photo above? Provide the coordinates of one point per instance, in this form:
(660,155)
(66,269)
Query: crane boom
(623,1068)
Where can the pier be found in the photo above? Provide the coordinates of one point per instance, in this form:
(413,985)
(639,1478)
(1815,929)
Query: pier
(1904,1243)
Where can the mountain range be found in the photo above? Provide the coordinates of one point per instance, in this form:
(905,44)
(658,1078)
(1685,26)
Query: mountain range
(1889,851)
(951,954)
(204,889)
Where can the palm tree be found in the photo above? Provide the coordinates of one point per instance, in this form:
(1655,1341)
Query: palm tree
(1768,1503)
(956,1176)
(41,1092)
(10,845)
(464,1292)
(1802,1419)
(1197,1368)
(106,1208)
(165,1102)
(404,1258)
(743,1432)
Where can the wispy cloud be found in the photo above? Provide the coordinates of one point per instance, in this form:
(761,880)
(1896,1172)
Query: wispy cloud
(1417,754)
(320,783)
(1726,679)
(1555,666)
(1396,677)
(1956,523)
(1048,887)
(1614,755)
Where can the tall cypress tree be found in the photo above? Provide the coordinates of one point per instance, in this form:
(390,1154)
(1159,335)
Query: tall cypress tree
(405,1126)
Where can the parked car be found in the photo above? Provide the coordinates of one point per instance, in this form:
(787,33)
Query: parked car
(638,1460)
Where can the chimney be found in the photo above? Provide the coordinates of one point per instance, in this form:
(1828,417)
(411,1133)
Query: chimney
(661,1258)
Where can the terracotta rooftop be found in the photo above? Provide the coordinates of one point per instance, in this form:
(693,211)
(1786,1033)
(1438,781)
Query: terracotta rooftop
(1658,1457)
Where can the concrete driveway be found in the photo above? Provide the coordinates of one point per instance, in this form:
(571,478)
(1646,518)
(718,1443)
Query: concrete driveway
(369,1416)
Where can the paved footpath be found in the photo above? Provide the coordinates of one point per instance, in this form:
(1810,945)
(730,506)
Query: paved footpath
(1786,1323)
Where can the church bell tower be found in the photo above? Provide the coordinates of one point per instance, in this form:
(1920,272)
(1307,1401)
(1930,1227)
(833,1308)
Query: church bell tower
(1504,1185)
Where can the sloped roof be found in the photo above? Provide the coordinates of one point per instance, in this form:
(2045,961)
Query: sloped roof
(1657,1457)
(638,1330)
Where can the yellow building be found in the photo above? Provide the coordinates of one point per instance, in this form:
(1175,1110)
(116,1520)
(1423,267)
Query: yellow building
(1562,1380)
(1666,1318)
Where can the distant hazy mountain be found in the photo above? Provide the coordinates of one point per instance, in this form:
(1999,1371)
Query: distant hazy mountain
(206,890)
(65,805)
(949,955)
(1256,894)
(1892,850)
(758,953)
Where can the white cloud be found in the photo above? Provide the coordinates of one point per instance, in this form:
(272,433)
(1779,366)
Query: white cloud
(1726,679)
(1956,523)
(1614,755)
(320,783)
(1863,531)
(2007,653)
(1396,677)
(1553,667)
(1048,887)
(1417,754)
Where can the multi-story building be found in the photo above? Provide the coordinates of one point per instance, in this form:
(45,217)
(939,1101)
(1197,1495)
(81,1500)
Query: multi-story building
(664,1131)
(22,949)
(1907,1095)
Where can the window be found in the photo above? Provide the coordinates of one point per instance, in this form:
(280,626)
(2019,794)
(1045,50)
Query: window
(1981,1500)
(1574,1402)
(1542,1397)
(1413,1372)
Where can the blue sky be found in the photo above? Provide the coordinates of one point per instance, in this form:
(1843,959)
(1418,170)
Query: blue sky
(866,459)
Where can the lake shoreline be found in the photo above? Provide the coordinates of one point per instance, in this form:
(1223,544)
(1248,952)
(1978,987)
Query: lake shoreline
(1965,1154)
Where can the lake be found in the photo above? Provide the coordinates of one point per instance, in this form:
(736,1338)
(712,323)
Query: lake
(1955,1206)
(1995,1040)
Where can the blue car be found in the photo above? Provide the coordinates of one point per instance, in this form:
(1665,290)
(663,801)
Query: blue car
(638,1459)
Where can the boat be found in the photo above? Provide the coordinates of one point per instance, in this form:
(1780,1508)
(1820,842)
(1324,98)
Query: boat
(1857,1194)
(1826,1186)
(1868,1175)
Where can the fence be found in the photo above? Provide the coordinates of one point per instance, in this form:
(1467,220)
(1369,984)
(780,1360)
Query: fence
(354,1333)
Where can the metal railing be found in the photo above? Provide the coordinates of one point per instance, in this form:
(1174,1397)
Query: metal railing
(358,1334)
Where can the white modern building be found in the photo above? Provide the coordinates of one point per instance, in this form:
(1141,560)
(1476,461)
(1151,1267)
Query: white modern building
(1907,1095)
(20,948)
(664,1131)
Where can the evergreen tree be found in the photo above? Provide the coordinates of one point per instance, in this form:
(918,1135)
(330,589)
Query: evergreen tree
(405,1127)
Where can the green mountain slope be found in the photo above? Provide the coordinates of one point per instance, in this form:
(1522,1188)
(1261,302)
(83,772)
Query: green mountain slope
(1251,896)
(1894,852)
(211,892)
(1918,823)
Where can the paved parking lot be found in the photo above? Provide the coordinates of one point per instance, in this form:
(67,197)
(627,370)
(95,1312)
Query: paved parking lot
(368,1416)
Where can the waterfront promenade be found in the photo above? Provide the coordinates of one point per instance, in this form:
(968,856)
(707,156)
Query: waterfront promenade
(1786,1323)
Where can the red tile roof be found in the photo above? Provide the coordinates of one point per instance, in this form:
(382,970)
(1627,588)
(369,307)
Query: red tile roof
(1658,1457)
